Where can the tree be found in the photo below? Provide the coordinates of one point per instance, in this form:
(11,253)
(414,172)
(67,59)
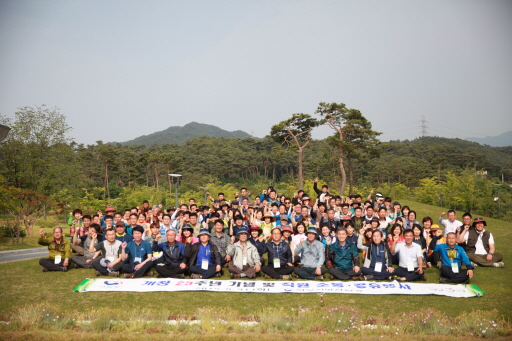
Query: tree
(295,131)
(353,137)
(36,145)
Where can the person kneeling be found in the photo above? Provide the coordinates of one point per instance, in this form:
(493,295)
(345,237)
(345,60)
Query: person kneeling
(343,258)
(133,254)
(313,256)
(204,257)
(410,258)
(378,260)
(245,257)
(279,257)
(173,252)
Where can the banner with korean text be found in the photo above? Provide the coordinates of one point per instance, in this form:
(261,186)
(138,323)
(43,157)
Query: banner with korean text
(298,287)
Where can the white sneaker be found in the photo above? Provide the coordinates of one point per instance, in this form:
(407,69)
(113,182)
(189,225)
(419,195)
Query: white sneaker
(499,265)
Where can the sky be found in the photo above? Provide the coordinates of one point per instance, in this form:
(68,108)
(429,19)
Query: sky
(121,69)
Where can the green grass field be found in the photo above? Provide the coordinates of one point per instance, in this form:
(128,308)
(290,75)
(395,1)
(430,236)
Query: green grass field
(24,286)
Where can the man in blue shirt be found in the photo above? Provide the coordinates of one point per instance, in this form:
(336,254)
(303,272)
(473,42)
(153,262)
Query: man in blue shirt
(204,257)
(343,258)
(137,255)
(452,258)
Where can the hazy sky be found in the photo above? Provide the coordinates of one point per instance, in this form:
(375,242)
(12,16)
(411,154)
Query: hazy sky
(121,69)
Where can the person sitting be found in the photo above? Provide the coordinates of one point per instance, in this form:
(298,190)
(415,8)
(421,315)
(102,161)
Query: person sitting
(410,258)
(479,245)
(121,234)
(107,258)
(204,258)
(154,235)
(453,256)
(187,235)
(351,235)
(59,251)
(173,261)
(313,256)
(257,239)
(88,242)
(343,258)
(279,257)
(221,240)
(435,237)
(326,236)
(137,255)
(245,257)
(377,262)
(80,234)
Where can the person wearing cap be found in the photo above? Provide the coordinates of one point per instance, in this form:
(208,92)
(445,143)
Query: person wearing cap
(279,257)
(187,235)
(137,255)
(204,259)
(221,241)
(268,224)
(245,257)
(321,193)
(109,211)
(435,237)
(410,258)
(343,258)
(107,257)
(121,234)
(59,251)
(172,262)
(330,221)
(479,245)
(313,256)
(283,220)
(378,260)
(452,258)
(450,224)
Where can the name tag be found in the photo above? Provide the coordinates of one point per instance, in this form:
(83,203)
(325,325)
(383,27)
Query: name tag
(244,260)
(410,266)
(455,268)
(277,263)
(137,260)
(58,258)
(378,267)
(204,264)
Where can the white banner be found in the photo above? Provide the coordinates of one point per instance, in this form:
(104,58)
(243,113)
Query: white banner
(299,287)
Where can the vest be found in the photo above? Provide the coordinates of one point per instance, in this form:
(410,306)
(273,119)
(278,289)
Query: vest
(473,238)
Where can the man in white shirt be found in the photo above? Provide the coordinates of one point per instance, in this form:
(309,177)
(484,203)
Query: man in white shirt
(480,245)
(107,259)
(410,264)
(450,224)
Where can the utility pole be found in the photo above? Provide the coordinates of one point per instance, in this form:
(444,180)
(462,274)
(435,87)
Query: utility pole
(423,126)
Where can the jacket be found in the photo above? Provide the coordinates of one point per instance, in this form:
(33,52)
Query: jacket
(368,248)
(313,254)
(63,249)
(191,252)
(172,256)
(236,253)
(342,258)
(285,255)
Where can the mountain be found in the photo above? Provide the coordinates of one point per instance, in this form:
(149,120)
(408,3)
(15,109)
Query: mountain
(180,135)
(502,140)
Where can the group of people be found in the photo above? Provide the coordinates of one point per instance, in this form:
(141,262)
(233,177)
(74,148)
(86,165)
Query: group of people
(352,239)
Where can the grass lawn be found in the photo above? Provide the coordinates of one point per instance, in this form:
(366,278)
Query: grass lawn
(24,285)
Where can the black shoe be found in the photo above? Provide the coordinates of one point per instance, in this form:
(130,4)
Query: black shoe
(444,280)
(76,266)
(423,278)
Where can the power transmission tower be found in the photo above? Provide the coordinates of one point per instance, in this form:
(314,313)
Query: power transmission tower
(424,127)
